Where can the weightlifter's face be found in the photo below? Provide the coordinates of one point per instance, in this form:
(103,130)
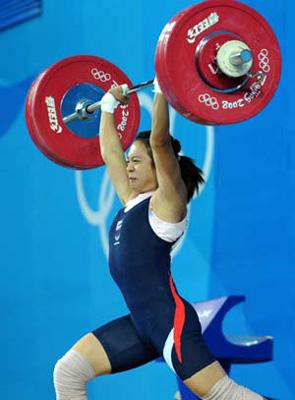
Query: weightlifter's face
(140,169)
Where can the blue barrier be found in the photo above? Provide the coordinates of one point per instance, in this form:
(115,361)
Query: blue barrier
(227,349)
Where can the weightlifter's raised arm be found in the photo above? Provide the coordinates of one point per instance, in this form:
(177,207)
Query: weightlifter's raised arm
(171,188)
(160,118)
(111,148)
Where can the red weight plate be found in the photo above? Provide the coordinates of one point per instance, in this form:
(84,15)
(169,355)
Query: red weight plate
(176,68)
(30,124)
(33,126)
(43,110)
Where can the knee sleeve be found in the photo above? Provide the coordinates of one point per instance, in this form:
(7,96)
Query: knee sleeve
(71,374)
(226,389)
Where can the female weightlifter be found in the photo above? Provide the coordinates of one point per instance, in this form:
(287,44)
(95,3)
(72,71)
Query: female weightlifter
(154,187)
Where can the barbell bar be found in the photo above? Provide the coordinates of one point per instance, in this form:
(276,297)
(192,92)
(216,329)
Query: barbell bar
(86,108)
(217,62)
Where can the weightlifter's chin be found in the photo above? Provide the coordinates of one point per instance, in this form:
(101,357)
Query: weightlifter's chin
(133,184)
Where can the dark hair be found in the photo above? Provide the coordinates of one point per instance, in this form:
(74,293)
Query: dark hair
(190,173)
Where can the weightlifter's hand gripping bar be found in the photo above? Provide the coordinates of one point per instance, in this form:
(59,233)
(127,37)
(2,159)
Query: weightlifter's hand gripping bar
(95,106)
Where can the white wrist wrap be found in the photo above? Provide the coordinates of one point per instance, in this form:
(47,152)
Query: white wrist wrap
(108,103)
(125,89)
(157,88)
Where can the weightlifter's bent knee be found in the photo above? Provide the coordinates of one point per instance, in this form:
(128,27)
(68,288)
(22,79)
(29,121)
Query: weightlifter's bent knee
(226,389)
(212,383)
(71,374)
(78,366)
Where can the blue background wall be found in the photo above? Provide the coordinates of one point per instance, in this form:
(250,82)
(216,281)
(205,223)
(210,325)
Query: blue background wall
(55,284)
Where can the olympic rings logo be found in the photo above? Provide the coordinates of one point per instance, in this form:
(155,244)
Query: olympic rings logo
(100,75)
(209,101)
(264,60)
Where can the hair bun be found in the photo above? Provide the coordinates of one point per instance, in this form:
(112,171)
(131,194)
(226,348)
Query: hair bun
(176,145)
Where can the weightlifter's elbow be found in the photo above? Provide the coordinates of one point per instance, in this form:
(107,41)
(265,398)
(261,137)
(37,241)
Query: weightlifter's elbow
(109,155)
(160,139)
(110,147)
(106,154)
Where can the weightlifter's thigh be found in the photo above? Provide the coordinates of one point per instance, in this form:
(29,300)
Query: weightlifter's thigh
(92,350)
(115,347)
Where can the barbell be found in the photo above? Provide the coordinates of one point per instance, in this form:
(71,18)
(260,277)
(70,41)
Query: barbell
(217,62)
